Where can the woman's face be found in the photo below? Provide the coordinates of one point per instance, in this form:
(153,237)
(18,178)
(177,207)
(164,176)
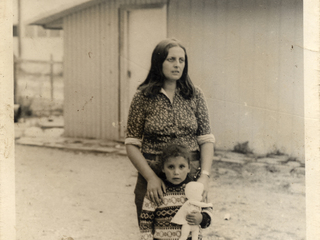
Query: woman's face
(173,65)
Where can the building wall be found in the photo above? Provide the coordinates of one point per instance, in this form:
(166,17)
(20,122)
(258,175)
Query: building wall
(247,57)
(37,43)
(91,70)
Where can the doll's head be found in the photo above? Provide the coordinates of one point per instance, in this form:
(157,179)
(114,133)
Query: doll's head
(194,191)
(176,163)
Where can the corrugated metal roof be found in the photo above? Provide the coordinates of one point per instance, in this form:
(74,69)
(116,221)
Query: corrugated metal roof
(53,19)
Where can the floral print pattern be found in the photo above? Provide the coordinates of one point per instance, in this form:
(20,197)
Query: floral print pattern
(158,122)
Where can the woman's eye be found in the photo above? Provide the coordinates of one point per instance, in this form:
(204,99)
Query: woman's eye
(181,60)
(170,59)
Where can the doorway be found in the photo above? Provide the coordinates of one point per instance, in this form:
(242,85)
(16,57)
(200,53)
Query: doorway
(140,31)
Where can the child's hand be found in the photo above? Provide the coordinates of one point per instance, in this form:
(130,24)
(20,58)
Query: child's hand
(194,218)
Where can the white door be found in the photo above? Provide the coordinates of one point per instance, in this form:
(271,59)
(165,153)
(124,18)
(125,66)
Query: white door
(141,31)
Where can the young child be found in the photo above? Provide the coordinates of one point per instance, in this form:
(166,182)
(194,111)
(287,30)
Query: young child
(155,221)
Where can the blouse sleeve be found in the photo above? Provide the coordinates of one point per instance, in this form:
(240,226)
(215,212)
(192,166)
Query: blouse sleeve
(136,119)
(204,134)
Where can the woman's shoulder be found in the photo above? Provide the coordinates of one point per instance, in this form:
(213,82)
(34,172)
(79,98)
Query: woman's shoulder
(139,99)
(139,95)
(198,92)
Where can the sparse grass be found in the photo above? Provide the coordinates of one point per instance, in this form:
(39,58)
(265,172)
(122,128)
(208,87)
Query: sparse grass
(242,148)
(276,152)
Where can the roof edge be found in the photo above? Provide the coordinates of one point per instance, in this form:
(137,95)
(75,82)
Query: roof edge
(53,20)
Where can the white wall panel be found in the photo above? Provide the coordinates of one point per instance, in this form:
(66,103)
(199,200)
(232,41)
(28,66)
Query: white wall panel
(246,56)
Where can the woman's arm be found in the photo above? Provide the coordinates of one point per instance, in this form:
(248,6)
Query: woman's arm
(206,151)
(205,140)
(156,187)
(135,130)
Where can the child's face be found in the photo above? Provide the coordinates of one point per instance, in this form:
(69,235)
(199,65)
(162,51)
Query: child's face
(176,169)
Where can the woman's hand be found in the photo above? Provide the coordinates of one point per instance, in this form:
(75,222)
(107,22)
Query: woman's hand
(194,218)
(205,181)
(207,153)
(155,190)
(155,187)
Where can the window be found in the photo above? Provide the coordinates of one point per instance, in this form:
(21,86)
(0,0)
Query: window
(30,31)
(54,33)
(15,31)
(42,32)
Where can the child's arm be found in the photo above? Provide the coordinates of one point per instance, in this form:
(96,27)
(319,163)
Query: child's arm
(202,218)
(206,217)
(206,220)
(147,219)
(194,218)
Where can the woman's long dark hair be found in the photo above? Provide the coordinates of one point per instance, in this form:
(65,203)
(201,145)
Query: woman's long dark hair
(155,79)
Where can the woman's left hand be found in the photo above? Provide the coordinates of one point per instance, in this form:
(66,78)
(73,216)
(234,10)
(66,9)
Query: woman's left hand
(205,181)
(207,153)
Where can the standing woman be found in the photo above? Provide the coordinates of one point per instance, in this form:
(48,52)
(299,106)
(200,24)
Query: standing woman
(166,109)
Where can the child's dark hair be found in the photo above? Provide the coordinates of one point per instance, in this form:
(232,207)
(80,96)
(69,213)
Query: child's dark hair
(175,150)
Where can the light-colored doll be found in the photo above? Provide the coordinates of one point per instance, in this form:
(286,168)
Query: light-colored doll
(193,192)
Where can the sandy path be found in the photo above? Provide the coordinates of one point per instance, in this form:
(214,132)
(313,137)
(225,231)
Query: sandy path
(61,194)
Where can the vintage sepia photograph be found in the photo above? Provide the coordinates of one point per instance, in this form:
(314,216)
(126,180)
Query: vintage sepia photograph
(162,119)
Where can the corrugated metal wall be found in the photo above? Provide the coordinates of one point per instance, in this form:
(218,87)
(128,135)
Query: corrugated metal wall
(247,57)
(91,70)
(83,83)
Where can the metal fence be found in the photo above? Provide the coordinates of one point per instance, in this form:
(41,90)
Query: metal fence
(38,86)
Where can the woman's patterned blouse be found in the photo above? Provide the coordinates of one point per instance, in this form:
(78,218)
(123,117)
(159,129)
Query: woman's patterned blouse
(155,122)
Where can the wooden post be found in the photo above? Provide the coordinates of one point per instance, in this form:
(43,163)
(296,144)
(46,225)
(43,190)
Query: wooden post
(15,80)
(51,76)
(19,30)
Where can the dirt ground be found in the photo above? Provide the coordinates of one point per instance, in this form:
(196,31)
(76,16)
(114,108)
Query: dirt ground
(66,195)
